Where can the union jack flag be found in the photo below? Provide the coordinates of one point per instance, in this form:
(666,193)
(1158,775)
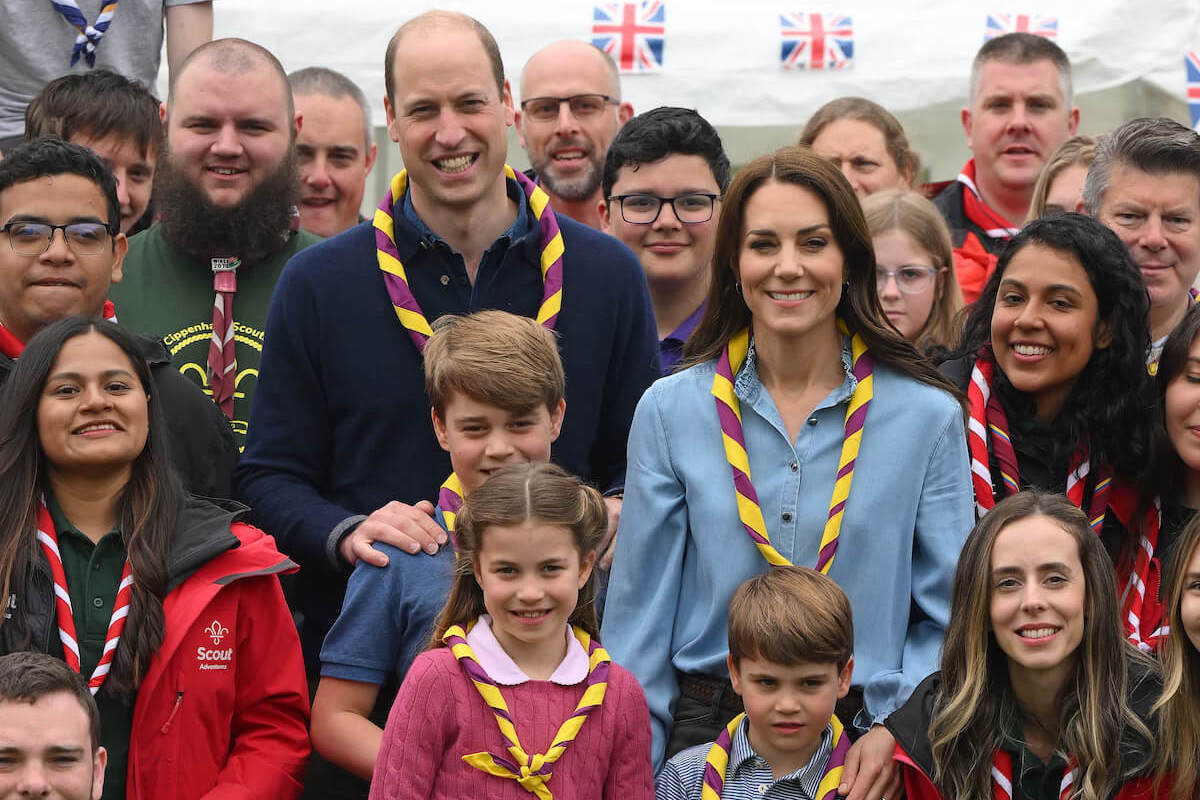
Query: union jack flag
(632,33)
(1000,24)
(816,41)
(1193,87)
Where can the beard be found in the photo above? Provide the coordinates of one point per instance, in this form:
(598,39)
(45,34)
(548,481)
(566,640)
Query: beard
(575,189)
(251,230)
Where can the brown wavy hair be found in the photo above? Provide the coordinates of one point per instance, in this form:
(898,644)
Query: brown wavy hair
(977,705)
(517,494)
(726,313)
(1178,721)
(147,509)
(870,112)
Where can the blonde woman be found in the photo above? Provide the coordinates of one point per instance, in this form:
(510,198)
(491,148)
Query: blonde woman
(914,268)
(1060,185)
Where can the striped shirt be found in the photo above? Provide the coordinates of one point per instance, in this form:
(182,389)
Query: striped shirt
(748,776)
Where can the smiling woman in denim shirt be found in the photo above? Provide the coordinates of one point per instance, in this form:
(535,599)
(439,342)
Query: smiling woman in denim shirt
(793,377)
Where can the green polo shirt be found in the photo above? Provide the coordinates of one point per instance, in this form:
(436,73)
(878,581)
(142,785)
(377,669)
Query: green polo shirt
(93,575)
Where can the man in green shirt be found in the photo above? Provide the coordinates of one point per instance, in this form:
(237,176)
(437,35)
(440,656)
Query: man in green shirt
(202,277)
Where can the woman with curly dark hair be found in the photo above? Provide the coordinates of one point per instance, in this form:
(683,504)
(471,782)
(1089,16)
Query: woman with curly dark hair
(1053,360)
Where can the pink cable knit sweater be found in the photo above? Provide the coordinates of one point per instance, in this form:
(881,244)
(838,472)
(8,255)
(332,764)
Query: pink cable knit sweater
(439,717)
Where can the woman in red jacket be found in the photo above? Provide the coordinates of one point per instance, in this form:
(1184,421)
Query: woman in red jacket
(169,606)
(1039,696)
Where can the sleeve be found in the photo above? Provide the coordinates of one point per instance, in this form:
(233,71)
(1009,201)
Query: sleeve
(629,775)
(288,446)
(633,368)
(418,731)
(670,785)
(647,571)
(945,515)
(270,744)
(365,642)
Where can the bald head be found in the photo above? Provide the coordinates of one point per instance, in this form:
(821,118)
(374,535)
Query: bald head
(570,55)
(234,57)
(435,21)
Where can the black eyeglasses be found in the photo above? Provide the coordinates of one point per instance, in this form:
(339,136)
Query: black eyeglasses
(583,106)
(34,238)
(643,209)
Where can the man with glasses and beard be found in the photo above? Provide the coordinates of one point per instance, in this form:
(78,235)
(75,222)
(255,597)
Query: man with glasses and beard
(226,190)
(570,111)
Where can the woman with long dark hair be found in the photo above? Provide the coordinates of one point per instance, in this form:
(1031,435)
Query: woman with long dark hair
(1053,361)
(169,607)
(1038,696)
(804,429)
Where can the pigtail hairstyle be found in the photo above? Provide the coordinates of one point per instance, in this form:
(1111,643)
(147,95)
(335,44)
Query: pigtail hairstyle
(535,491)
(1178,707)
(977,705)
(1111,405)
(146,511)
(726,313)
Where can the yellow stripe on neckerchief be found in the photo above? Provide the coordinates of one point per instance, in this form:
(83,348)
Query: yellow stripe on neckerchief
(717,762)
(408,311)
(531,772)
(729,413)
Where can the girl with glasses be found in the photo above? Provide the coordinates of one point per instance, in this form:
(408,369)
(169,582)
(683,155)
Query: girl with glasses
(914,268)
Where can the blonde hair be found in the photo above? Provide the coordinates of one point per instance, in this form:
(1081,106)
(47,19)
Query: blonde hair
(1178,722)
(1078,150)
(495,357)
(910,213)
(515,495)
(790,615)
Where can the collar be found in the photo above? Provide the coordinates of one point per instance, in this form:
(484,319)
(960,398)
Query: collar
(63,525)
(503,670)
(746,384)
(686,327)
(522,226)
(808,776)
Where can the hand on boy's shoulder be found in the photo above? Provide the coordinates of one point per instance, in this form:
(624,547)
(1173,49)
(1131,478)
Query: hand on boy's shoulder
(870,773)
(408,528)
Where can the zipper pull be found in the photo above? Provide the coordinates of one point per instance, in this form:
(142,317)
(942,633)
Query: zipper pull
(174,710)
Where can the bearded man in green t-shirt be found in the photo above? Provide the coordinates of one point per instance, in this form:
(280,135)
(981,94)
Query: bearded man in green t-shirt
(226,190)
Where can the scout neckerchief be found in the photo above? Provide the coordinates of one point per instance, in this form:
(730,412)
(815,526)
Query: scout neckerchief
(222,347)
(717,762)
(979,212)
(729,412)
(408,311)
(1002,777)
(48,539)
(12,347)
(89,35)
(531,772)
(988,436)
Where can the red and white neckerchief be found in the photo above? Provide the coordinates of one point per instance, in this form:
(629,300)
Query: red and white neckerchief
(988,435)
(1002,777)
(222,356)
(48,539)
(12,347)
(979,212)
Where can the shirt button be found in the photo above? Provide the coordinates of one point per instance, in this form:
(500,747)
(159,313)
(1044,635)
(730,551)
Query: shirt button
(762,789)
(445,280)
(793,466)
(787,516)
(98,602)
(812,420)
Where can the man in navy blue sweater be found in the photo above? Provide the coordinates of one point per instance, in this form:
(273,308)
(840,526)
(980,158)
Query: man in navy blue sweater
(342,451)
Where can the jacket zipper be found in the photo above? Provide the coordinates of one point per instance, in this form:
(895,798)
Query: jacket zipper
(174,710)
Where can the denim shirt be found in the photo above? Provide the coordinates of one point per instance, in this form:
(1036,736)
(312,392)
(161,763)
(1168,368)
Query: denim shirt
(682,551)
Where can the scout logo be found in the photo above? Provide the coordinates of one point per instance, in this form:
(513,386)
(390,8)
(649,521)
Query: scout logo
(216,631)
(213,658)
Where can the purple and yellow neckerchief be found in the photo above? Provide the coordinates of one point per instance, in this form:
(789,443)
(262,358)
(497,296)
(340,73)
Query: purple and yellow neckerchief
(531,772)
(408,311)
(730,414)
(89,35)
(717,762)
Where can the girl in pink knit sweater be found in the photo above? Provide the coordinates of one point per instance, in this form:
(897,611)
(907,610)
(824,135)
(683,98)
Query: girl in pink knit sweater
(515,697)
